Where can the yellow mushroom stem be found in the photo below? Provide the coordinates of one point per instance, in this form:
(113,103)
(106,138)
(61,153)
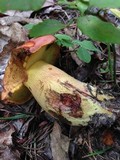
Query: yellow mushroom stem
(60,94)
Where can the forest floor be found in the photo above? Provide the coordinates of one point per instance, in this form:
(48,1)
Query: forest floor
(42,137)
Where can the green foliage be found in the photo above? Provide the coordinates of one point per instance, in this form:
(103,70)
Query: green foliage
(82,5)
(92,26)
(100,4)
(20,5)
(68,4)
(99,30)
(84,55)
(105,3)
(49,26)
(64,40)
(84,47)
(87,45)
(104,70)
(83,51)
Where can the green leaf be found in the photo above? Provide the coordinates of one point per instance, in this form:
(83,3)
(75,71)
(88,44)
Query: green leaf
(77,42)
(82,6)
(84,55)
(99,30)
(105,3)
(63,36)
(29,26)
(64,43)
(49,26)
(21,4)
(104,70)
(87,45)
(64,40)
(68,4)
(18,116)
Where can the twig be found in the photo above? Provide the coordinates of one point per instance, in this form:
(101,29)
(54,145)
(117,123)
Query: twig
(114,63)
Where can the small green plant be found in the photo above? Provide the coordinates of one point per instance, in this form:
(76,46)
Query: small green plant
(64,40)
(97,28)
(82,48)
(93,26)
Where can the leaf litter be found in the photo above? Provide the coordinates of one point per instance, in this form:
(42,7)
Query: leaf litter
(59,143)
(40,136)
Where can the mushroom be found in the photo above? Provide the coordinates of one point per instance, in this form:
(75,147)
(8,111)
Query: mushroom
(42,48)
(31,72)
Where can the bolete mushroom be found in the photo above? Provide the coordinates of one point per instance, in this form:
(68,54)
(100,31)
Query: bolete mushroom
(31,70)
(42,48)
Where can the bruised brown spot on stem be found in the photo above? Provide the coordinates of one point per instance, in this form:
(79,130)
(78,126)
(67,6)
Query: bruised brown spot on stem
(50,68)
(73,102)
(65,103)
(10,94)
(20,54)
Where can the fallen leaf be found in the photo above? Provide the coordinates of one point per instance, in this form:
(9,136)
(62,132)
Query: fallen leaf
(7,153)
(59,144)
(9,20)
(25,14)
(15,32)
(48,3)
(108,138)
(3,42)
(6,136)
(7,150)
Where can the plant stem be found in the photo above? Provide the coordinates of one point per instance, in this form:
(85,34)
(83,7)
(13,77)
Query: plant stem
(110,63)
(114,64)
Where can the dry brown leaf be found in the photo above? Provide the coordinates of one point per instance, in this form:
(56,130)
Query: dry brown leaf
(108,138)
(7,150)
(9,20)
(15,32)
(3,42)
(49,3)
(6,137)
(25,14)
(9,154)
(59,144)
